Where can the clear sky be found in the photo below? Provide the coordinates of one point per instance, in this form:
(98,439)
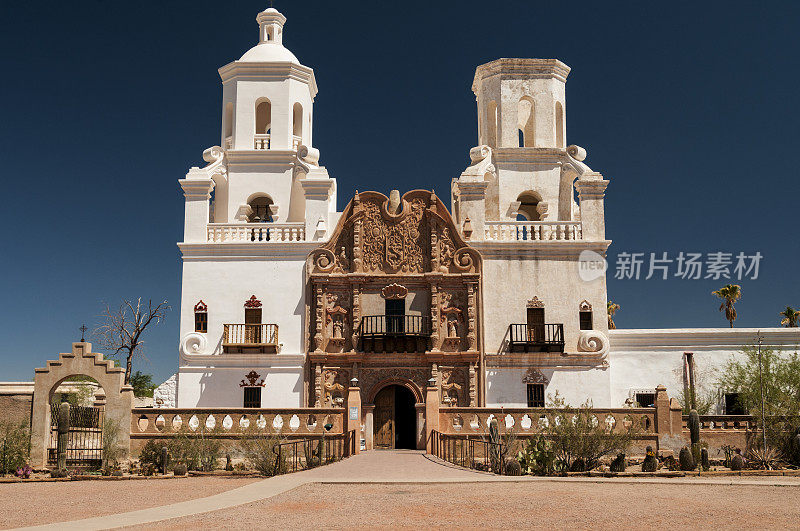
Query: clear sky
(690,109)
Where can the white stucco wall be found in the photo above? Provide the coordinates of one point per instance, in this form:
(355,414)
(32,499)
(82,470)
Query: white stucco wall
(219,386)
(505,387)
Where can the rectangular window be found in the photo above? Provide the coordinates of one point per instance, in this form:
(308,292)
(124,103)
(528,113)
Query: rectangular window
(586,321)
(645,399)
(733,405)
(201,322)
(252,397)
(536,395)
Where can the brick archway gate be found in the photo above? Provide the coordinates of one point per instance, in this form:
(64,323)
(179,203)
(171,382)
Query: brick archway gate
(80,361)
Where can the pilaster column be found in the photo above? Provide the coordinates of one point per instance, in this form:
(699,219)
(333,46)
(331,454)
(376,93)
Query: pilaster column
(197,187)
(353,421)
(431,414)
(318,192)
(591,194)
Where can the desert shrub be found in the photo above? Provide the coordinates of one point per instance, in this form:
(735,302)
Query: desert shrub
(112,449)
(763,460)
(151,457)
(579,438)
(14,446)
(258,448)
(197,450)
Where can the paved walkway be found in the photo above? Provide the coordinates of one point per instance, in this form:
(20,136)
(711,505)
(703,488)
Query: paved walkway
(381,466)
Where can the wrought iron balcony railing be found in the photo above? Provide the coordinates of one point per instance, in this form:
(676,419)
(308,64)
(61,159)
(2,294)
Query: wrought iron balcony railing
(536,337)
(243,338)
(395,325)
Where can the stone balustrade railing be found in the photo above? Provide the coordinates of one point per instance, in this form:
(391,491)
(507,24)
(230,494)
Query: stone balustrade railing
(475,421)
(723,422)
(233,422)
(260,142)
(256,232)
(509,231)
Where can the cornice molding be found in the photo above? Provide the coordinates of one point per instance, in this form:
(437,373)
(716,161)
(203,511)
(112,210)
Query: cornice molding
(260,251)
(699,338)
(539,248)
(520,68)
(245,70)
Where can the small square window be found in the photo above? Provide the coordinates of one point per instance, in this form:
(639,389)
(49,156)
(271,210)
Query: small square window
(252,397)
(536,395)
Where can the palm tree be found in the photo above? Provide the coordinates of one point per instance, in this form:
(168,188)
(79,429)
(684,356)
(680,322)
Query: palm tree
(612,309)
(791,317)
(729,295)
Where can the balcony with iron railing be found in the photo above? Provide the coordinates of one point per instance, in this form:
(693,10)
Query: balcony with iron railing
(536,337)
(250,338)
(395,333)
(509,231)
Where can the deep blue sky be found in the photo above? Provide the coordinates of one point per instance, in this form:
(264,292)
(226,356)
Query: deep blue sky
(689,108)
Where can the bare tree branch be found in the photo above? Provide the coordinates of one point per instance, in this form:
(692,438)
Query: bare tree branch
(122,330)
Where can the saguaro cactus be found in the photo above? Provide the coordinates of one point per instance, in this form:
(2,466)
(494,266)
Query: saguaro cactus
(694,426)
(63,436)
(494,447)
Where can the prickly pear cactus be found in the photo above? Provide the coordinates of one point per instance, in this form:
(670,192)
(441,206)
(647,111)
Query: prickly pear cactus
(694,426)
(685,459)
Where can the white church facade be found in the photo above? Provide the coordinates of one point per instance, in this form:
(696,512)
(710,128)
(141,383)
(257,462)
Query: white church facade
(285,300)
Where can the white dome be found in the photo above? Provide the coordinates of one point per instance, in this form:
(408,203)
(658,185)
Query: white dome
(269,52)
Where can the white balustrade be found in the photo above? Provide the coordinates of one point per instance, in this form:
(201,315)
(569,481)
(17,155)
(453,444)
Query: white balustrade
(261,142)
(256,232)
(509,231)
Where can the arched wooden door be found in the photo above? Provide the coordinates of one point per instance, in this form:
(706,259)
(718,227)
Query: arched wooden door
(384,418)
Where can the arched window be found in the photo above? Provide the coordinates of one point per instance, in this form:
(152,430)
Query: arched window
(261,211)
(297,120)
(263,117)
(525,120)
(559,125)
(527,208)
(201,317)
(491,123)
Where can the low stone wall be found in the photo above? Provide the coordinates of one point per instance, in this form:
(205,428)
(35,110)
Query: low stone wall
(16,408)
(232,423)
(472,423)
(721,430)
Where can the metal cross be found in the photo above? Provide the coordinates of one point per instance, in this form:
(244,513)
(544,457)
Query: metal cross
(83,330)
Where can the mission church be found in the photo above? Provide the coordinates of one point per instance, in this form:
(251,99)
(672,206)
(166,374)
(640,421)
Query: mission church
(287,302)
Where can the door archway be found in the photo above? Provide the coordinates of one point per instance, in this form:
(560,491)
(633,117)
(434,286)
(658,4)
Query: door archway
(395,418)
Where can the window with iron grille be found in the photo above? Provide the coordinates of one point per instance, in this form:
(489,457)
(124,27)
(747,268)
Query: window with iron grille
(252,397)
(645,399)
(201,322)
(586,320)
(536,395)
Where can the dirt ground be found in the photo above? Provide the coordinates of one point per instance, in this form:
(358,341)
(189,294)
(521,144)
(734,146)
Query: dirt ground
(42,503)
(520,505)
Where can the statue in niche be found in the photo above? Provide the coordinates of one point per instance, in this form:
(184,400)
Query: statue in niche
(344,262)
(452,327)
(338,326)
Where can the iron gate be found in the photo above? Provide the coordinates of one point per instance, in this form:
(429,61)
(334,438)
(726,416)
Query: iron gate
(85,438)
